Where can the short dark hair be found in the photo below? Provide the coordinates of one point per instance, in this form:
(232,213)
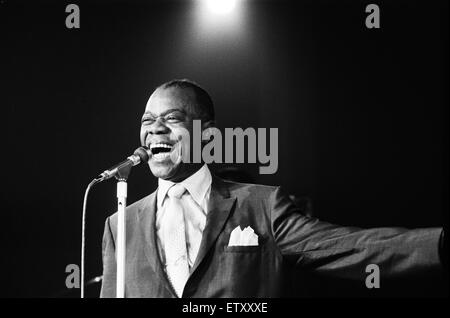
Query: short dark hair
(204,101)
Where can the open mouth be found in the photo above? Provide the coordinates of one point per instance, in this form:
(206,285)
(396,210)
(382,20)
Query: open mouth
(161,148)
(161,151)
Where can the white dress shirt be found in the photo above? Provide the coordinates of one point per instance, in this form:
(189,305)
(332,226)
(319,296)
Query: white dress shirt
(195,204)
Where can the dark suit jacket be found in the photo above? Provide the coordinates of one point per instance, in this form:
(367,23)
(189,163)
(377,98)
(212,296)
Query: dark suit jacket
(287,239)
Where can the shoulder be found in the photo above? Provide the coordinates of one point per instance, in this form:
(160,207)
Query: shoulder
(257,191)
(133,210)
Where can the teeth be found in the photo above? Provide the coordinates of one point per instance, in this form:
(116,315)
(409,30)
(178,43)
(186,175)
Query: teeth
(161,146)
(161,156)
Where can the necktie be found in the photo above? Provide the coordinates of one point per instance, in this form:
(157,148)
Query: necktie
(177,267)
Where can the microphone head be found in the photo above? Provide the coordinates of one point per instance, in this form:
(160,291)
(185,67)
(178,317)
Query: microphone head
(143,153)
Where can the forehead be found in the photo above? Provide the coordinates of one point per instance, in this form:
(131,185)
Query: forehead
(164,99)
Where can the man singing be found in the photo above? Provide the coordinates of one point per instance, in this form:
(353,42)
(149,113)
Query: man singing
(200,236)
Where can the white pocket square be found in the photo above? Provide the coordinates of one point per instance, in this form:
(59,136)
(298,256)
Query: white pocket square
(246,237)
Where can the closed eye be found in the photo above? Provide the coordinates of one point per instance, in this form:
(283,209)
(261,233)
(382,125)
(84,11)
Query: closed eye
(173,119)
(172,116)
(147,120)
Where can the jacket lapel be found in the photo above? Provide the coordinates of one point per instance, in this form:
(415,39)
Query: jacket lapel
(219,208)
(147,219)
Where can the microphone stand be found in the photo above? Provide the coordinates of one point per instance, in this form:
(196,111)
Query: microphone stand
(121,173)
(121,176)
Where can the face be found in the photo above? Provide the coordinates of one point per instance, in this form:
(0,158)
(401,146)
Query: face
(166,129)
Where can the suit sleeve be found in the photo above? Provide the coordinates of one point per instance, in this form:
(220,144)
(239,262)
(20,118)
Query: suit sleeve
(346,251)
(108,289)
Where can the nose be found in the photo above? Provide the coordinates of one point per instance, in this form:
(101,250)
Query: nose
(158,128)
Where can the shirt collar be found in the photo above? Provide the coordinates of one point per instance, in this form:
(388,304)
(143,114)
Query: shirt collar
(197,186)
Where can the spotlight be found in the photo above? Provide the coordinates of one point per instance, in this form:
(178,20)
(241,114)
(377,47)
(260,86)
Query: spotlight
(221,6)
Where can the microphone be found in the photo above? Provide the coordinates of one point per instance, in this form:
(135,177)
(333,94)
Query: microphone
(142,154)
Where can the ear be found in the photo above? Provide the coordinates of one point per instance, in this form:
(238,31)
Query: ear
(208,124)
(205,126)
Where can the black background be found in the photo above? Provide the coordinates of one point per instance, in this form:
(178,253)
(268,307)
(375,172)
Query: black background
(362,116)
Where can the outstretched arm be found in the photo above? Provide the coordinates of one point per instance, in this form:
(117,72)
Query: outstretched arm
(346,251)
